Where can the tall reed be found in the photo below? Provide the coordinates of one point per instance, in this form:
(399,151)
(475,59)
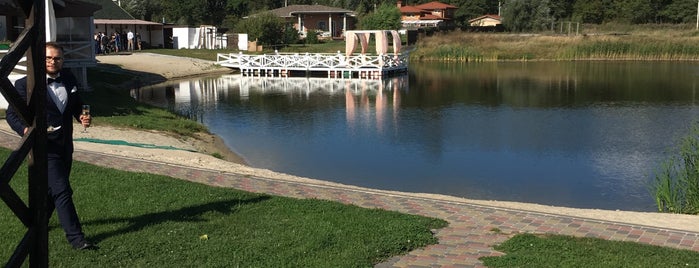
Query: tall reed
(676,185)
(639,44)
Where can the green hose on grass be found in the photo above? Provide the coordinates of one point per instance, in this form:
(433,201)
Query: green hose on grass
(140,145)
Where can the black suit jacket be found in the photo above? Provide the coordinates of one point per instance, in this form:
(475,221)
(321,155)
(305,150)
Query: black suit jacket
(60,142)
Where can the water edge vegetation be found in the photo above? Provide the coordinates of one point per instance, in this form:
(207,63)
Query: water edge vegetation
(655,42)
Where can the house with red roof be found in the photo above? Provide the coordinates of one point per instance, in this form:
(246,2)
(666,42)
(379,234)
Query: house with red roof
(430,15)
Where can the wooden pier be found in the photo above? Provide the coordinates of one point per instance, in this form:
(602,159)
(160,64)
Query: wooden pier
(349,65)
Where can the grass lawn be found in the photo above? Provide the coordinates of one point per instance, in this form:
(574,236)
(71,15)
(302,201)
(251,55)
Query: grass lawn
(528,250)
(142,220)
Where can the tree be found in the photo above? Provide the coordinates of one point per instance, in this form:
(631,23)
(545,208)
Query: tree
(143,9)
(291,35)
(562,9)
(634,11)
(385,17)
(366,6)
(215,11)
(468,10)
(589,11)
(680,11)
(266,28)
(527,15)
(184,12)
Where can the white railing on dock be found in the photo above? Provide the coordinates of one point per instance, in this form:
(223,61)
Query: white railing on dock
(279,64)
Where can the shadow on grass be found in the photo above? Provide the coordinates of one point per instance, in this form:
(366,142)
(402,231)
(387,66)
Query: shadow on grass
(186,214)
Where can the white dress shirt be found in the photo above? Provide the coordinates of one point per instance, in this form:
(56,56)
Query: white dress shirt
(58,93)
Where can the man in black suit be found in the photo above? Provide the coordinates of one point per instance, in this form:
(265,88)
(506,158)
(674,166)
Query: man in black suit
(63,105)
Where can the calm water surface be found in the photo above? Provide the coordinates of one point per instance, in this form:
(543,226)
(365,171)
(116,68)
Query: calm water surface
(581,134)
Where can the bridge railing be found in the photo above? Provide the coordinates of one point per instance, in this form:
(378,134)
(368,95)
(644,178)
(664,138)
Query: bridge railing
(315,61)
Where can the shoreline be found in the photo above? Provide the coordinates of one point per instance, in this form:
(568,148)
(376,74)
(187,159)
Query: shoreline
(171,67)
(137,63)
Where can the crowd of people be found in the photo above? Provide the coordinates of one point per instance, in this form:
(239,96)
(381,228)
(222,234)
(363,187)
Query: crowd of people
(124,41)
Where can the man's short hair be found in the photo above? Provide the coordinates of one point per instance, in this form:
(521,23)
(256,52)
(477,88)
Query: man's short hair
(54,45)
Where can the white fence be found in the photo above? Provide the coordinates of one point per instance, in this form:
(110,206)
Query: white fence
(281,64)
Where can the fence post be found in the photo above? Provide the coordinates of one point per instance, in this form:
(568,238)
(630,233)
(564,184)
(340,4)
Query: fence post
(35,216)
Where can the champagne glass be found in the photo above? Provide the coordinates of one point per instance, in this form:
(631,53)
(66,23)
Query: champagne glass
(86,111)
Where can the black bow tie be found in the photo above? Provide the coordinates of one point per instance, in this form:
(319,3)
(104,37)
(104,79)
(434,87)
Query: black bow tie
(51,80)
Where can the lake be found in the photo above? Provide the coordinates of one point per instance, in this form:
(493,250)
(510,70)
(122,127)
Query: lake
(575,134)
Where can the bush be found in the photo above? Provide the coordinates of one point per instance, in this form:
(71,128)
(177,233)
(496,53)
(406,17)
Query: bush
(266,28)
(312,37)
(385,17)
(676,186)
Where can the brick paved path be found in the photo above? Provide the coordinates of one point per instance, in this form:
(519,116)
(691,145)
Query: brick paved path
(470,232)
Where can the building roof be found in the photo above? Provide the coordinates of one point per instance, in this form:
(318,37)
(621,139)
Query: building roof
(62,8)
(435,5)
(431,17)
(126,22)
(290,11)
(410,9)
(110,10)
(495,17)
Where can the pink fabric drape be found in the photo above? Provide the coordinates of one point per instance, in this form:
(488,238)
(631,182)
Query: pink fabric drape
(381,43)
(396,42)
(350,44)
(364,39)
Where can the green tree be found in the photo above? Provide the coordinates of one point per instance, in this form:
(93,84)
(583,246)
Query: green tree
(215,11)
(143,9)
(266,28)
(385,17)
(366,6)
(680,11)
(470,9)
(633,11)
(291,35)
(562,9)
(591,11)
(527,15)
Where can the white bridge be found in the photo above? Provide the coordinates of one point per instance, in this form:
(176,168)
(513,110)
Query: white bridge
(330,65)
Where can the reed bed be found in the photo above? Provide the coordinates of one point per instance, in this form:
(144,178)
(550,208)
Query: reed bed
(676,185)
(653,44)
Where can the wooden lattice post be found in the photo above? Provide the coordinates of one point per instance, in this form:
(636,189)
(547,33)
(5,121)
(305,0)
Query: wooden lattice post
(35,215)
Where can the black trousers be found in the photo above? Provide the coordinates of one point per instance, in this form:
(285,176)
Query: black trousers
(62,195)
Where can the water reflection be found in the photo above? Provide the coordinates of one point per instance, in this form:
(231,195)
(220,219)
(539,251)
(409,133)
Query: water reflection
(572,134)
(194,97)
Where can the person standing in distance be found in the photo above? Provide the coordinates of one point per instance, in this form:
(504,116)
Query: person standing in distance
(63,105)
(129,38)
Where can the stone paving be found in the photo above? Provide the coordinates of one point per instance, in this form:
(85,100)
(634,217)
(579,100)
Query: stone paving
(473,229)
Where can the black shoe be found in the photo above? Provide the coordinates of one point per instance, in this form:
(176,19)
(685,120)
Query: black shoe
(84,245)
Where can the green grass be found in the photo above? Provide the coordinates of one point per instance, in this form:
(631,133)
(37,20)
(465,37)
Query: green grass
(528,250)
(141,220)
(331,46)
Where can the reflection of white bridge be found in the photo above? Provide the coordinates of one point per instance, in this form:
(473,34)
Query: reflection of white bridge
(329,65)
(209,91)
